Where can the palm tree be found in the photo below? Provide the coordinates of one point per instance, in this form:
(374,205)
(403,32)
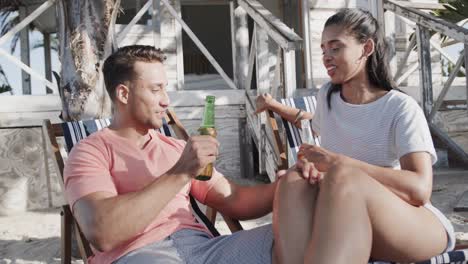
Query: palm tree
(84,42)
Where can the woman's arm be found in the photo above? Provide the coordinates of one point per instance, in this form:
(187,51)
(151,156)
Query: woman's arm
(413,183)
(267,102)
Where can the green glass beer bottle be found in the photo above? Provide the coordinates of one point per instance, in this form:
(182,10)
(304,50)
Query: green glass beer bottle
(208,128)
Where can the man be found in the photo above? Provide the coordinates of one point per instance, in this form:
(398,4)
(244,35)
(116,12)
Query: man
(128,185)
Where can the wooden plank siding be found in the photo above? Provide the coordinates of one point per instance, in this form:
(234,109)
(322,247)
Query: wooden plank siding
(321,10)
(170,41)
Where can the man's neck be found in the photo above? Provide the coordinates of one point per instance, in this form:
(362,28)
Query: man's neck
(127,129)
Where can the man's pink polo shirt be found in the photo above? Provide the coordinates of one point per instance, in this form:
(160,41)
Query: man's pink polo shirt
(106,162)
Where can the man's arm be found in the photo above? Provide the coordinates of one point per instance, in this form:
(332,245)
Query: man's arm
(241,202)
(107,220)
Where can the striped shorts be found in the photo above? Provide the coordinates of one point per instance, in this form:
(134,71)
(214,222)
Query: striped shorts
(195,247)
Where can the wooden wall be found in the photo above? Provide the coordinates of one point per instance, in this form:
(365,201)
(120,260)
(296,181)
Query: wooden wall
(27,182)
(167,36)
(397,35)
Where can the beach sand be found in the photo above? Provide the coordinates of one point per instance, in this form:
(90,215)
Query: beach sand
(34,237)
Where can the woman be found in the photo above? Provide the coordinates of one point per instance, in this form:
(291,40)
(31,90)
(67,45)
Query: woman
(367,188)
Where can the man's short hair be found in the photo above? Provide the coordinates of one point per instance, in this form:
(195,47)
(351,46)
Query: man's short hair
(118,67)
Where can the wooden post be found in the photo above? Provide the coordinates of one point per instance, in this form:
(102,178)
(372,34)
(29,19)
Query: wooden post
(47,61)
(263,86)
(156,22)
(240,45)
(307,47)
(289,69)
(240,61)
(246,148)
(425,78)
(232,8)
(262,58)
(253,51)
(377,9)
(24,44)
(180,50)
(466,72)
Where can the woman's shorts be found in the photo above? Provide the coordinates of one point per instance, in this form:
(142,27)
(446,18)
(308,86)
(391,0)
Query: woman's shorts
(447,225)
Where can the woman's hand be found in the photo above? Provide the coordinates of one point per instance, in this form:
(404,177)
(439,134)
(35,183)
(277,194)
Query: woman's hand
(308,171)
(321,158)
(263,102)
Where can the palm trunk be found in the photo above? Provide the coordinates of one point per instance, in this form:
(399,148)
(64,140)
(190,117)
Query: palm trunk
(83,27)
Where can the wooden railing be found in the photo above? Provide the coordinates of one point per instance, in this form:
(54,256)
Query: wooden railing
(423,24)
(272,54)
(26,68)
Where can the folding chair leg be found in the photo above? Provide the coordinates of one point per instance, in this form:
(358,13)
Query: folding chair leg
(211,214)
(233,225)
(66,234)
(84,249)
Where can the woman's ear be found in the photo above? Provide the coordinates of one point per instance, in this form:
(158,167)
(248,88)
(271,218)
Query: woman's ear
(121,93)
(369,48)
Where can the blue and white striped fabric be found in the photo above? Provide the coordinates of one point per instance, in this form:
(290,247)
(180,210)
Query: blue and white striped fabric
(74,131)
(293,134)
(308,104)
(452,257)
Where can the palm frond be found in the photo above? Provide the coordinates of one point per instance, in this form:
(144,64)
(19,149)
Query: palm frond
(9,5)
(5,88)
(6,25)
(3,76)
(54,43)
(8,20)
(455,10)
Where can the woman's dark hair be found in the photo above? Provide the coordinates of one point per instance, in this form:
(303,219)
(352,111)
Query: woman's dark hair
(363,26)
(118,67)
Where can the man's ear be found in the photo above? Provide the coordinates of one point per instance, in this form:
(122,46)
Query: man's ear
(369,48)
(122,93)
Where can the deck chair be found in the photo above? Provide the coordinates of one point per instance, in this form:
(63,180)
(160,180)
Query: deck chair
(77,130)
(293,136)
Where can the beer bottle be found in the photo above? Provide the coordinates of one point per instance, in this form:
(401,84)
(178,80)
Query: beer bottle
(208,128)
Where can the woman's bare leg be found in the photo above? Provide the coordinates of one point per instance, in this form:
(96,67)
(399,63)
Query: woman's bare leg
(293,212)
(342,230)
(357,217)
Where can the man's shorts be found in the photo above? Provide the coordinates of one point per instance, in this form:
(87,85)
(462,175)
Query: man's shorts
(193,247)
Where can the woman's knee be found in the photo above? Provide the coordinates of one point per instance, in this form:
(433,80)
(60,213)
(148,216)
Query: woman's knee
(293,184)
(344,180)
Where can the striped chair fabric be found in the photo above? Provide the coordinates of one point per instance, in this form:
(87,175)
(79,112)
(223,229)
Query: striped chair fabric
(74,131)
(309,104)
(452,257)
(293,134)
